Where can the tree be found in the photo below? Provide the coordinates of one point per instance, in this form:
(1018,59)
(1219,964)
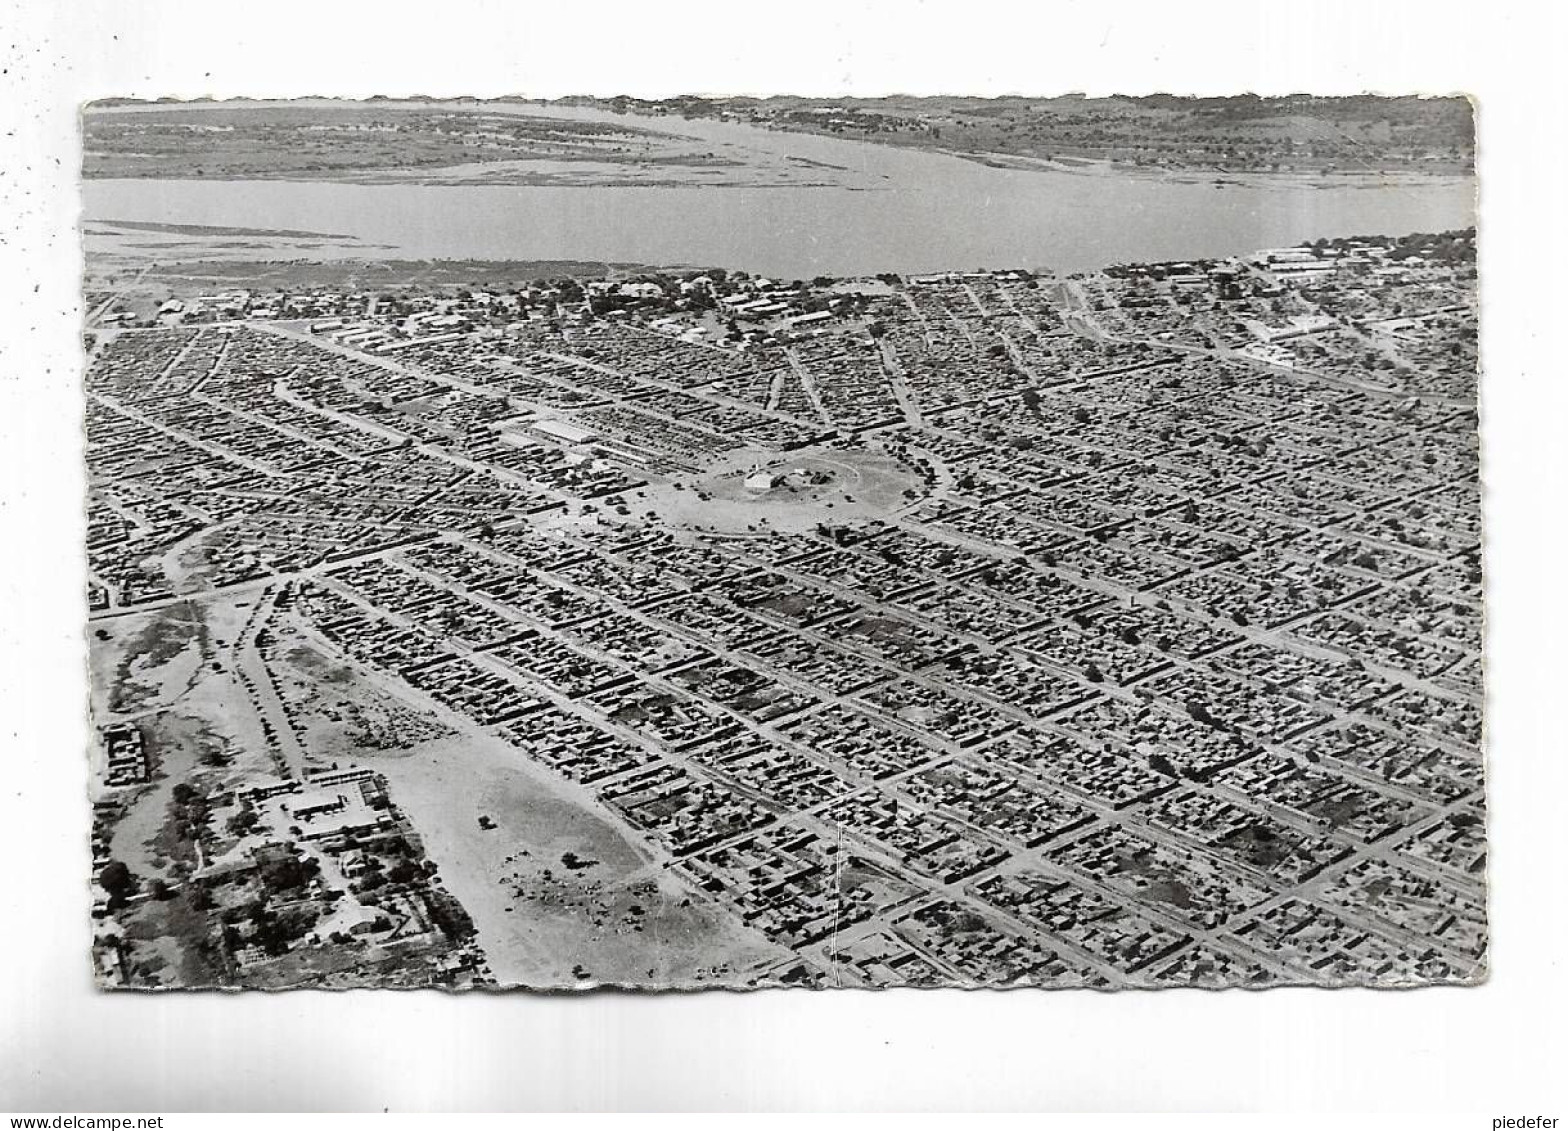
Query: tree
(116,879)
(1200,712)
(404,872)
(244,821)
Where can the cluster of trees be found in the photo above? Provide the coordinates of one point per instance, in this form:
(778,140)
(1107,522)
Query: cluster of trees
(288,875)
(1453,246)
(274,931)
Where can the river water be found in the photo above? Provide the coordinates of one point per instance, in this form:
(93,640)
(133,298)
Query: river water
(888,209)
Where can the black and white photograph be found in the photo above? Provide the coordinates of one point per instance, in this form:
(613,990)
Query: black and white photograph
(738,516)
(870,542)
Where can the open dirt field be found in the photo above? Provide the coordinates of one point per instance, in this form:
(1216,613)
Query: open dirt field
(561,897)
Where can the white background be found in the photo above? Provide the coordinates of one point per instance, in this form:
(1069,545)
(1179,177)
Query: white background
(65,1047)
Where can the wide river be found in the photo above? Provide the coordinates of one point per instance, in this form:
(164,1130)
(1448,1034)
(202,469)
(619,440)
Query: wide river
(900,210)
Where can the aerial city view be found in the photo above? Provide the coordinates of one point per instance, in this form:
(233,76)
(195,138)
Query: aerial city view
(738,543)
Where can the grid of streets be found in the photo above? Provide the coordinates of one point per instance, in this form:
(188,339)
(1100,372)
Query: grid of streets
(1131,634)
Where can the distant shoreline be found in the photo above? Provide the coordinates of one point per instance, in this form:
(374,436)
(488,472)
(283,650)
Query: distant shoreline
(1199,174)
(640,119)
(183,277)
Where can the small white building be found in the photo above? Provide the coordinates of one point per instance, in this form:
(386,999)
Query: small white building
(564,431)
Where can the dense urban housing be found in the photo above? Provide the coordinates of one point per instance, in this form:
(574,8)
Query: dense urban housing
(690,627)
